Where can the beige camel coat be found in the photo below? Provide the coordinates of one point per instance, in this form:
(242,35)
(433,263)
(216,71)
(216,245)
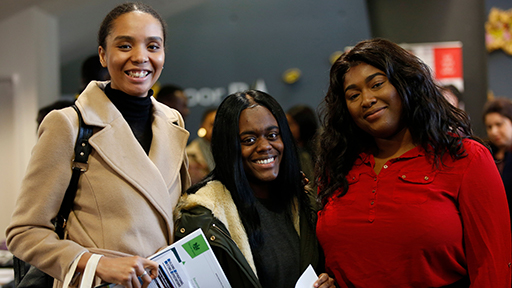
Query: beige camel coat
(125,200)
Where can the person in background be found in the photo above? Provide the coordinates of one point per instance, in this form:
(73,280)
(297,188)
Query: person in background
(199,151)
(497,118)
(174,97)
(92,70)
(453,95)
(253,206)
(411,198)
(59,104)
(137,170)
(304,126)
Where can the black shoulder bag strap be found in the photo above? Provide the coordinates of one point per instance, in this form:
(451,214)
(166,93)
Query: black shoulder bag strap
(79,165)
(35,277)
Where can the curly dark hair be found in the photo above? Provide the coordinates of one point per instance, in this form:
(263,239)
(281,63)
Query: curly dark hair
(434,124)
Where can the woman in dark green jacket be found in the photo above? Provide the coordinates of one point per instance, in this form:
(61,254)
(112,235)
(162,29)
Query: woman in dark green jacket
(253,207)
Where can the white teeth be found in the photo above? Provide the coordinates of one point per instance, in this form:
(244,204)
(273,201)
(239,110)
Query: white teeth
(139,74)
(265,161)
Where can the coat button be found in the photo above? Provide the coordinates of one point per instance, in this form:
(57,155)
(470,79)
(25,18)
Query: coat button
(182,230)
(212,238)
(426,178)
(403,176)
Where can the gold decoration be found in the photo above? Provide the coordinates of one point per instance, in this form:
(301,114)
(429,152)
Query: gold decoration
(291,75)
(490,95)
(156,88)
(498,30)
(201,132)
(334,56)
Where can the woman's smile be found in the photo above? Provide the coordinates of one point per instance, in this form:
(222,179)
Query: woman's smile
(261,144)
(372,101)
(133,55)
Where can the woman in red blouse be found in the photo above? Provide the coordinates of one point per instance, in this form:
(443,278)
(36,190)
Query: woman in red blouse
(409,199)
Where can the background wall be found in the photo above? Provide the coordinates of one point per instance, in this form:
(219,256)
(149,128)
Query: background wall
(29,78)
(217,45)
(438,21)
(221,46)
(498,62)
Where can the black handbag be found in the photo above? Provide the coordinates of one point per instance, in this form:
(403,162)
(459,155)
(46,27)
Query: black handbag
(26,275)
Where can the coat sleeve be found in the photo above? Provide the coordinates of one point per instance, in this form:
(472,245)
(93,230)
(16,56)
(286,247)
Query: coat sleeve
(30,235)
(485,217)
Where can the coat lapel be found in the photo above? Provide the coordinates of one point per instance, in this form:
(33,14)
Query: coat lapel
(152,176)
(168,144)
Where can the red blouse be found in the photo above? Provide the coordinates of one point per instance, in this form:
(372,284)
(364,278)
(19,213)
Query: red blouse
(417,226)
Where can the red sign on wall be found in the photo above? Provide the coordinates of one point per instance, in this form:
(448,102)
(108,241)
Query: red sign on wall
(448,62)
(444,58)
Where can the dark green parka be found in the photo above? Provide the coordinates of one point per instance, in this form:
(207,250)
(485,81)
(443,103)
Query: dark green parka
(212,209)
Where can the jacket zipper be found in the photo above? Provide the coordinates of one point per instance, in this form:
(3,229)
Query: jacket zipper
(222,231)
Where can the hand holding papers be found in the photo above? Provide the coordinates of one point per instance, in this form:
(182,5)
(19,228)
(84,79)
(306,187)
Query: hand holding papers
(189,262)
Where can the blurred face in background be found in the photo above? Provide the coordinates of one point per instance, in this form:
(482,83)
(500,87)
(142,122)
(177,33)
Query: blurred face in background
(294,128)
(499,130)
(207,126)
(452,98)
(181,103)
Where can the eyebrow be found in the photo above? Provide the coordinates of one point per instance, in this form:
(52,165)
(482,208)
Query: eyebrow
(368,79)
(130,38)
(270,128)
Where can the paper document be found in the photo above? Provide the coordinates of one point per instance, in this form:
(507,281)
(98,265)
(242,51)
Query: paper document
(189,263)
(307,279)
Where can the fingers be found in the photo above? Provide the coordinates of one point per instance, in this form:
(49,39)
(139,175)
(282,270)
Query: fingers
(135,282)
(151,267)
(324,281)
(146,279)
(150,272)
(131,272)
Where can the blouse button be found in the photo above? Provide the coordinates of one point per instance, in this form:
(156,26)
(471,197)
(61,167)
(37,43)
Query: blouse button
(403,176)
(212,238)
(426,178)
(385,167)
(182,230)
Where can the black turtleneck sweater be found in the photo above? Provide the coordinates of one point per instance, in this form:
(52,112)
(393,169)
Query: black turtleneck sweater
(137,111)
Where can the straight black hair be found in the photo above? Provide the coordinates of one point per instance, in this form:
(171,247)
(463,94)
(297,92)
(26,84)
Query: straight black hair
(229,170)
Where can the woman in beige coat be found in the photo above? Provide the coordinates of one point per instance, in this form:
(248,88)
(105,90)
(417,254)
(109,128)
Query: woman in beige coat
(137,169)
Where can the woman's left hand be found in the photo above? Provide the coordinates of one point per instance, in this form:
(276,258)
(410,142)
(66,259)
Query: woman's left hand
(324,281)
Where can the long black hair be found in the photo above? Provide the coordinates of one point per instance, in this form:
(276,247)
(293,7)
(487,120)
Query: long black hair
(229,170)
(434,124)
